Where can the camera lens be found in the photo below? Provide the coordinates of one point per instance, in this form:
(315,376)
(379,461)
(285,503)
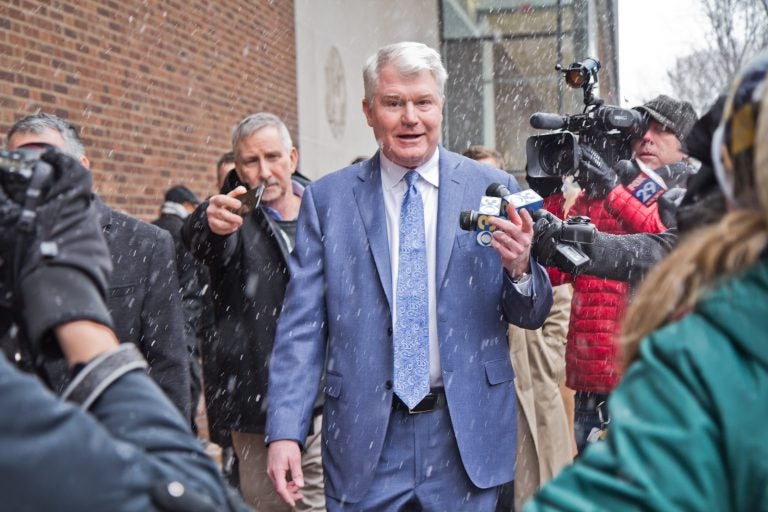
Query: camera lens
(557,157)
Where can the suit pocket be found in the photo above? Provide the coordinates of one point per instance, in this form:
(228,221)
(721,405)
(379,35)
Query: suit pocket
(466,239)
(498,371)
(333,385)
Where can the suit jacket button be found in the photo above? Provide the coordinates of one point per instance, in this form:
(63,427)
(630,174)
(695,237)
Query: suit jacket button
(389,331)
(388,384)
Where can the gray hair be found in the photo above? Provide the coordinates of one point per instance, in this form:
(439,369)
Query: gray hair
(409,59)
(256,122)
(38,123)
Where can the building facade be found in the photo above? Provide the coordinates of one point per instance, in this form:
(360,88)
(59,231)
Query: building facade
(156,87)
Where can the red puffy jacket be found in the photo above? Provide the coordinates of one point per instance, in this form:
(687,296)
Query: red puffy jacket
(593,357)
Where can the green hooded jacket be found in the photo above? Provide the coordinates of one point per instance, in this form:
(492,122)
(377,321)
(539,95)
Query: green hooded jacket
(690,418)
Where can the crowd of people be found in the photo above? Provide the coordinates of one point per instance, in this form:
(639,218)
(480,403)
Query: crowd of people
(353,348)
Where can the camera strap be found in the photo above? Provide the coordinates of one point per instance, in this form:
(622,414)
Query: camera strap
(101,372)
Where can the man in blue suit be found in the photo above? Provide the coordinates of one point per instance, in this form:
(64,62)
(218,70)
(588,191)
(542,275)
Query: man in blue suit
(406,314)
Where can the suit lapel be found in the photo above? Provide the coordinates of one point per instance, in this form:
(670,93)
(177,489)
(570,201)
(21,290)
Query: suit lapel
(370,203)
(450,194)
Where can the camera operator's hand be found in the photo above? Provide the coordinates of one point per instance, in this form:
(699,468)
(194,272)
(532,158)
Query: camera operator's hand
(512,240)
(59,261)
(546,237)
(668,204)
(594,175)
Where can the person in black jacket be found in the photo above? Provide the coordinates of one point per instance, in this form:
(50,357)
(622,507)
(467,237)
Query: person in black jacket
(247,253)
(143,287)
(194,281)
(116,443)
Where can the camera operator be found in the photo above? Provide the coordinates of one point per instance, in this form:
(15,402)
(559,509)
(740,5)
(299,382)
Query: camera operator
(630,257)
(659,152)
(592,352)
(120,445)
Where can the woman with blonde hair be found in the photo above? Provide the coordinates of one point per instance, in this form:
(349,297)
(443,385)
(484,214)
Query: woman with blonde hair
(686,419)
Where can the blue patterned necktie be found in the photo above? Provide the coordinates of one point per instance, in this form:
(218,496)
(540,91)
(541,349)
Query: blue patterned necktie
(411,336)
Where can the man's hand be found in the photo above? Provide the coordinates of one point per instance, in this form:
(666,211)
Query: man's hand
(595,176)
(284,459)
(222,218)
(512,240)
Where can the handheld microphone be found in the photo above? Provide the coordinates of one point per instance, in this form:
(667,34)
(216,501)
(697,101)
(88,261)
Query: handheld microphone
(479,220)
(525,199)
(545,121)
(647,187)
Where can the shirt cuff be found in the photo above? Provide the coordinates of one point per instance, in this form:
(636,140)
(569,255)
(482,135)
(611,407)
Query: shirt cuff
(523,285)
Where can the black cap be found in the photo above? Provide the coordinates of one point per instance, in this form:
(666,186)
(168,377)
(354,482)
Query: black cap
(678,116)
(181,194)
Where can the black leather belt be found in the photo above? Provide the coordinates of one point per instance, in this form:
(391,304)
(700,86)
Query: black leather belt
(435,399)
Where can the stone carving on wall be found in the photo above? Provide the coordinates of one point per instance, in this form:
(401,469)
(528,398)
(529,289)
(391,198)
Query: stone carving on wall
(335,93)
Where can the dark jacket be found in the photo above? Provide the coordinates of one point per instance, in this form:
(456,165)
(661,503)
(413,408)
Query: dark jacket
(57,456)
(686,419)
(144,300)
(249,273)
(194,282)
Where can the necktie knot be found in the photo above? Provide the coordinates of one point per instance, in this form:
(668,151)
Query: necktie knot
(411,177)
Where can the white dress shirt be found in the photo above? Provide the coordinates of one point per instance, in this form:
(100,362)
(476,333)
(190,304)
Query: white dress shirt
(394,188)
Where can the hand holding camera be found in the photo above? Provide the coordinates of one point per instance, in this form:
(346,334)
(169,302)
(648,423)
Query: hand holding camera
(594,175)
(55,263)
(556,243)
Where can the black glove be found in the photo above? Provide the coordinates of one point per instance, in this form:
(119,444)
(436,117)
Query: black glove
(546,237)
(627,171)
(545,187)
(676,174)
(58,263)
(594,175)
(668,204)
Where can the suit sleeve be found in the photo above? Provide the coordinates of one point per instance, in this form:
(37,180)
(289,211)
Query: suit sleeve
(663,450)
(163,340)
(299,347)
(110,457)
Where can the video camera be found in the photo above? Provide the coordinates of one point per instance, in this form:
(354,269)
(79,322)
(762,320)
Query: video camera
(567,256)
(24,179)
(607,129)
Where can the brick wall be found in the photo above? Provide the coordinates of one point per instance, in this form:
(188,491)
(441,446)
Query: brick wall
(154,86)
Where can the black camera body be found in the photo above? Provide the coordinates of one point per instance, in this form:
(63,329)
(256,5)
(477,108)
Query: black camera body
(607,129)
(574,231)
(24,179)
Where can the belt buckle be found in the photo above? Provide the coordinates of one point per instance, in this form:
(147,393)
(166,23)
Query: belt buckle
(427,404)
